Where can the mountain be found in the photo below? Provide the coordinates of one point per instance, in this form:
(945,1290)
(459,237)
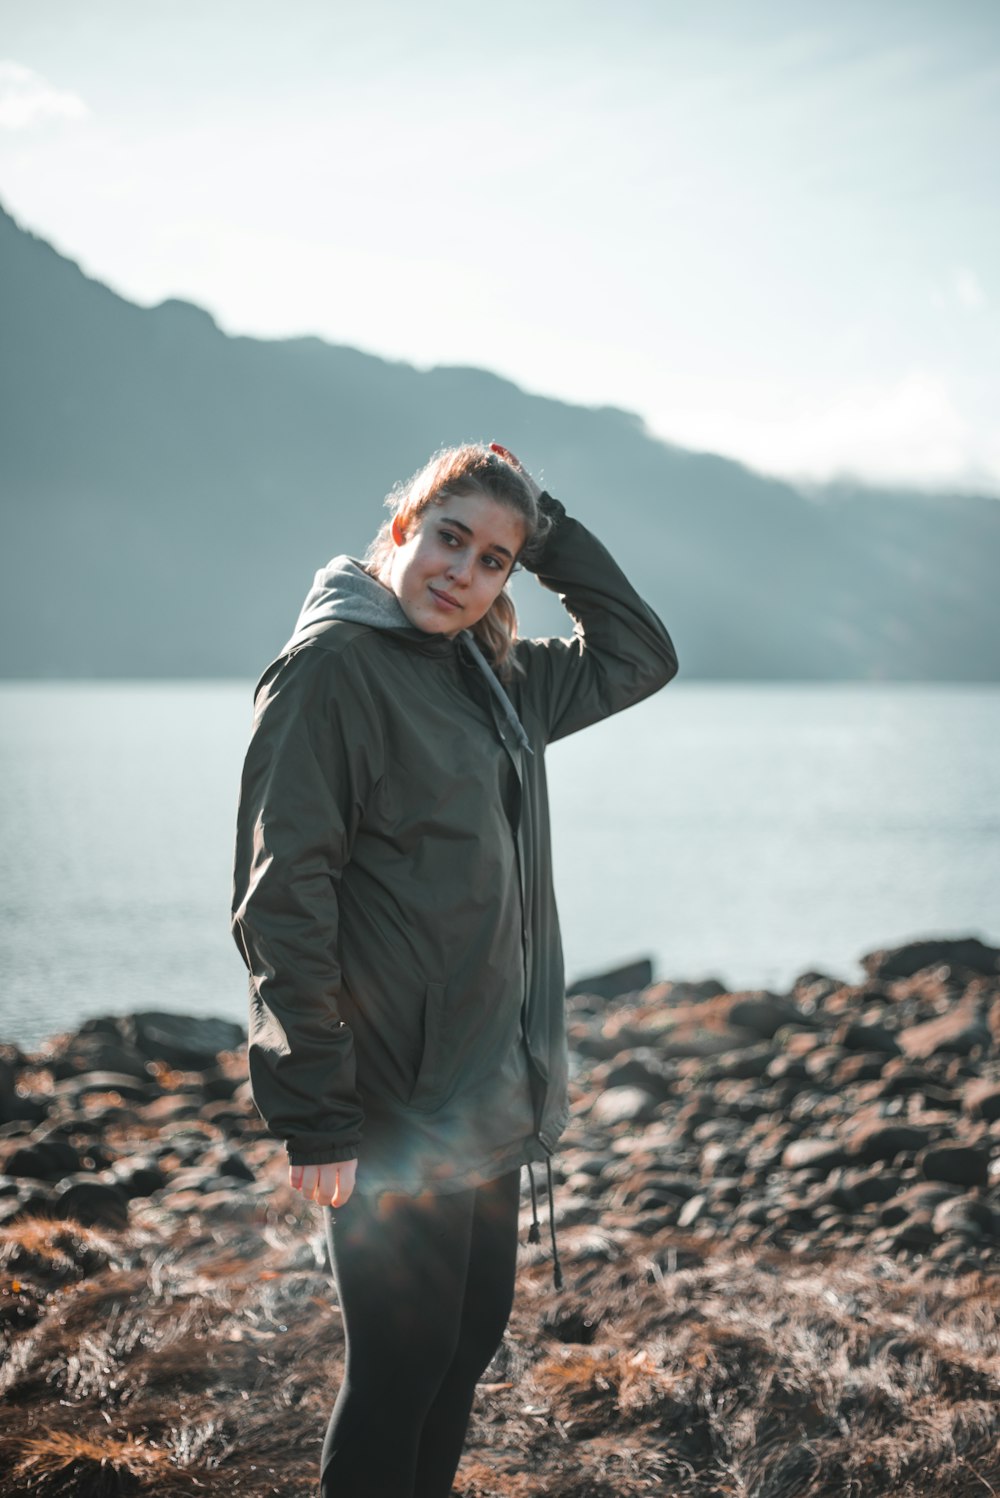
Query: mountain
(168,492)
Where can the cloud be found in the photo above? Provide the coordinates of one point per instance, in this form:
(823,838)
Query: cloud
(26,99)
(908,431)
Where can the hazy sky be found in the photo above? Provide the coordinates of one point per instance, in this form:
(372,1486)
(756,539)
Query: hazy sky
(772,228)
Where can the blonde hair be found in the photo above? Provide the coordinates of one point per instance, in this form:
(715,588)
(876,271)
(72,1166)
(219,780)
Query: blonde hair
(470,469)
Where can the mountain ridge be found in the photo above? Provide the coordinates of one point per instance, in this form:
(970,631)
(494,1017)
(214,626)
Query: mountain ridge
(169,490)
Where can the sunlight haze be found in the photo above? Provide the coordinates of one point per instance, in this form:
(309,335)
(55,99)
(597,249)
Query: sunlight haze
(772,231)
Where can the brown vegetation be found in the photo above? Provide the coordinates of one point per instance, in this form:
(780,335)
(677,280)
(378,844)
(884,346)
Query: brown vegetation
(209,1365)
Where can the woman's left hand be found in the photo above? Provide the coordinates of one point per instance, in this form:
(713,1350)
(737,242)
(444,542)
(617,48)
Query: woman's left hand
(508,456)
(326,1185)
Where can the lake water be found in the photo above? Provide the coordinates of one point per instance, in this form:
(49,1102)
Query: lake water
(747,832)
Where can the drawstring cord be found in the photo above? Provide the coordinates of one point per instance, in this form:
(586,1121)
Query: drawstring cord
(535,1232)
(557,1278)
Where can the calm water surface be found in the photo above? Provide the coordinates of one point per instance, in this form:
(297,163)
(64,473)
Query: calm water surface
(746,832)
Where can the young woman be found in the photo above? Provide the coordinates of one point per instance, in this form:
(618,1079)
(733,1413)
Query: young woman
(395,909)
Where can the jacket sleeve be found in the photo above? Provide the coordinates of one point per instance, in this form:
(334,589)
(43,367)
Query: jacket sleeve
(305,781)
(620,652)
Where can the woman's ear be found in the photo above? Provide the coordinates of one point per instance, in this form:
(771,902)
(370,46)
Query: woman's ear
(396,531)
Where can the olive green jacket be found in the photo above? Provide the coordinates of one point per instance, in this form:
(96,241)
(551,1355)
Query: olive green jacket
(393,896)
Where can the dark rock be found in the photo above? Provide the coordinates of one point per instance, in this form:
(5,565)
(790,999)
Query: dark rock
(811,990)
(681,1187)
(17,1108)
(92,1203)
(937,1098)
(48,1160)
(749,1062)
(961,1031)
(915,1236)
(822,1062)
(925,1196)
(232,1117)
(218,1086)
(964,1165)
(8,1088)
(96,1046)
(764,1014)
(690,1041)
(859,1037)
(982,1099)
(877,1140)
(872,1186)
(968,1216)
(594,1044)
(182,1040)
(126,1086)
(616,981)
(900,1077)
(655,1200)
(640,1068)
(169,1108)
(860,1066)
(230,1163)
(791,1068)
(139,1177)
(914,956)
(27,1199)
(573,1324)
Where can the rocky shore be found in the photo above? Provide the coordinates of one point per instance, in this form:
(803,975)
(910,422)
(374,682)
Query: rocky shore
(778,1216)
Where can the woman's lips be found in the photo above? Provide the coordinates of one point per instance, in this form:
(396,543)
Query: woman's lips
(449,603)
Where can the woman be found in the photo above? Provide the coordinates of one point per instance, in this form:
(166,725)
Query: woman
(395,909)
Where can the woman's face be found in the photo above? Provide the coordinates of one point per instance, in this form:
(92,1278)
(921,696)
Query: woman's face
(450,565)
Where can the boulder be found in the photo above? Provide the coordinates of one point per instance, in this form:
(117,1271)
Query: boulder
(91,1202)
(96,1046)
(182,1040)
(860,1037)
(615,982)
(914,956)
(814,1154)
(639,1068)
(966,1215)
(961,1164)
(44,1160)
(620,1105)
(127,1086)
(764,1014)
(982,1099)
(876,1139)
(961,1031)
(739,1065)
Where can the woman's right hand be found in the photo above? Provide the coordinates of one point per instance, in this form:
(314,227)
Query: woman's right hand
(508,457)
(327,1185)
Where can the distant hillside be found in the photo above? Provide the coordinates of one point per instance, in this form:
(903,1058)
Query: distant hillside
(168,491)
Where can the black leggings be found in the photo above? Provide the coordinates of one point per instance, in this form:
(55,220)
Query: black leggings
(425,1287)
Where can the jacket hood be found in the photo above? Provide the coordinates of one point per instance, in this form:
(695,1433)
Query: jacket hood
(343,589)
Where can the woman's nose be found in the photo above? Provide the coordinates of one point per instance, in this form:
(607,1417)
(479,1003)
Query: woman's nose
(458,568)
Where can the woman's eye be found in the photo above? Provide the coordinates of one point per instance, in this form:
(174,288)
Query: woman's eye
(494,563)
(448,537)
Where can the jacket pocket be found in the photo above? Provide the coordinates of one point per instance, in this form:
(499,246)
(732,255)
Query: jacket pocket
(434,1073)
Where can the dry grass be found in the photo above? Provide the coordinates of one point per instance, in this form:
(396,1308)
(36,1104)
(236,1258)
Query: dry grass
(209,1366)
